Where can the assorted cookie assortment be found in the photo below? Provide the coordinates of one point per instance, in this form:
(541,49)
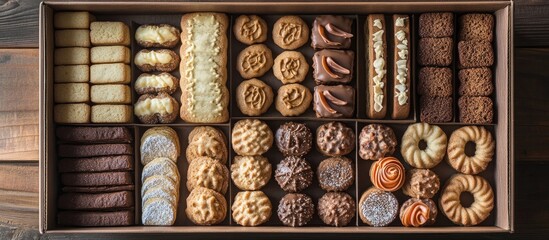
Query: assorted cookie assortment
(313,175)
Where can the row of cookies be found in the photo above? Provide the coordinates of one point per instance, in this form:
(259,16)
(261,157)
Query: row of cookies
(108,74)
(96,168)
(155,85)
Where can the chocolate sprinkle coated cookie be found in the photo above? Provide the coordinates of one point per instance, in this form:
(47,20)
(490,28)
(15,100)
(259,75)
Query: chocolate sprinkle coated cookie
(335,139)
(295,209)
(376,141)
(377,208)
(293,174)
(336,208)
(336,174)
(294,139)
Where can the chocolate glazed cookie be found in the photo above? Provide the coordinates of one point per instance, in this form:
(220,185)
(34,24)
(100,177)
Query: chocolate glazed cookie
(293,174)
(294,139)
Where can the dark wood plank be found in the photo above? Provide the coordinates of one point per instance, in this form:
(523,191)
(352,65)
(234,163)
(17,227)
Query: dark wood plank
(531,23)
(531,86)
(19,23)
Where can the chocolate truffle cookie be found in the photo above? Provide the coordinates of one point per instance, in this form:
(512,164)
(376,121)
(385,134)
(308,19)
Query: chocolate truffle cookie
(336,174)
(293,99)
(250,29)
(377,207)
(290,32)
(334,101)
(254,97)
(294,139)
(254,61)
(290,67)
(335,139)
(333,66)
(331,31)
(293,174)
(295,209)
(421,183)
(376,141)
(336,208)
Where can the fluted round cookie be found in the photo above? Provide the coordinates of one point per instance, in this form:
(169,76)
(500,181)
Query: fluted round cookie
(295,209)
(254,97)
(159,142)
(293,139)
(421,183)
(251,137)
(158,212)
(293,99)
(335,139)
(336,208)
(160,166)
(251,208)
(293,174)
(335,174)
(417,212)
(484,149)
(434,138)
(254,61)
(209,173)
(160,181)
(290,32)
(205,141)
(250,172)
(376,141)
(377,207)
(250,29)
(290,67)
(206,206)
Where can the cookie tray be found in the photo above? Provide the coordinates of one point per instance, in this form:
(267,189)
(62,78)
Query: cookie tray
(499,174)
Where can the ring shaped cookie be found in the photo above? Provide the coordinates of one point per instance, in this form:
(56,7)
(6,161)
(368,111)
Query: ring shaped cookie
(436,142)
(480,208)
(483,153)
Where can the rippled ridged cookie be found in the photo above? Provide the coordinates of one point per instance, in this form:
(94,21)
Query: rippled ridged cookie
(254,97)
(205,141)
(433,153)
(254,61)
(478,211)
(206,207)
(159,142)
(484,149)
(250,29)
(209,173)
(336,208)
(294,174)
(295,209)
(294,139)
(250,172)
(251,208)
(376,141)
(335,139)
(251,137)
(421,183)
(417,212)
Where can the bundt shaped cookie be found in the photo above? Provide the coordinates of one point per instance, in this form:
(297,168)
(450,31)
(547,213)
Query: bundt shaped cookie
(484,149)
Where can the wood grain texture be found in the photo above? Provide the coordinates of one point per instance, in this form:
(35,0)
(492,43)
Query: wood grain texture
(531,23)
(18,23)
(19,194)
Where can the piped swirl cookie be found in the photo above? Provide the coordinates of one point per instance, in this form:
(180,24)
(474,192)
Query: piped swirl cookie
(206,207)
(250,29)
(209,173)
(250,172)
(163,60)
(293,99)
(251,137)
(290,32)
(251,208)
(161,35)
(254,97)
(417,212)
(254,61)
(160,108)
(387,174)
(290,67)
(207,141)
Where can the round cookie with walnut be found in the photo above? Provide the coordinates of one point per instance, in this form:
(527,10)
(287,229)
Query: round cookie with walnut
(251,137)
(254,97)
(290,32)
(293,99)
(251,208)
(209,173)
(206,207)
(250,172)
(290,67)
(250,29)
(207,141)
(254,61)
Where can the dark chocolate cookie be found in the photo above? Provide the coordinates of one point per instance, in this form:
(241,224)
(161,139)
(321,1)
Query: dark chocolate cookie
(335,139)
(295,209)
(293,174)
(294,139)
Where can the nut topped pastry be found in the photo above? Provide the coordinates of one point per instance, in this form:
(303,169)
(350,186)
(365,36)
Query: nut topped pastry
(250,29)
(333,66)
(290,32)
(331,31)
(421,183)
(161,35)
(334,101)
(335,139)
(376,141)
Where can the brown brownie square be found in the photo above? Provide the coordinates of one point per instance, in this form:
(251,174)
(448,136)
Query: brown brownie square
(435,81)
(476,110)
(436,25)
(435,109)
(476,26)
(474,54)
(435,51)
(475,82)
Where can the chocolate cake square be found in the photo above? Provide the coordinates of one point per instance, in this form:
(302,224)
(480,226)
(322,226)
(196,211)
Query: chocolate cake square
(435,81)
(334,101)
(436,25)
(476,26)
(475,82)
(333,66)
(473,54)
(331,32)
(435,51)
(476,110)
(435,109)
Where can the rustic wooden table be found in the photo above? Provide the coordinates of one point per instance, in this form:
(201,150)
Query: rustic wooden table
(19,125)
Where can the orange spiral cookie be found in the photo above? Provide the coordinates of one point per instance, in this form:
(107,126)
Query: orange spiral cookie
(387,174)
(417,212)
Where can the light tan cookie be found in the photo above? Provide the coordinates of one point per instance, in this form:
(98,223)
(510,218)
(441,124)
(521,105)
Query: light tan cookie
(155,83)
(160,108)
(72,20)
(251,208)
(109,33)
(163,60)
(71,113)
(111,113)
(158,211)
(110,73)
(71,92)
(160,181)
(254,97)
(160,166)
(251,172)
(204,94)
(110,93)
(251,137)
(206,207)
(161,35)
(207,142)
(250,29)
(209,173)
(159,142)
(290,67)
(290,32)
(293,99)
(254,61)
(72,38)
(160,192)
